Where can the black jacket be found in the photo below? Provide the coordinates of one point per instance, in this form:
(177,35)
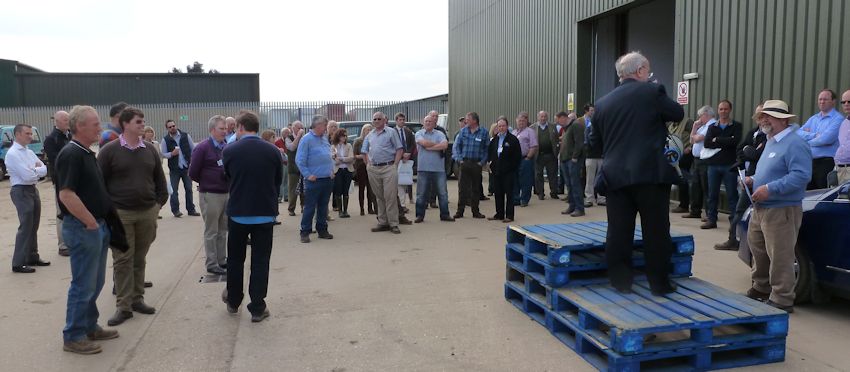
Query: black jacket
(629,126)
(750,150)
(725,139)
(511,156)
(54,143)
(252,166)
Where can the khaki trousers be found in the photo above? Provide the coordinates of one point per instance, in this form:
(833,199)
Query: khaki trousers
(843,174)
(213,210)
(129,267)
(384,181)
(772,235)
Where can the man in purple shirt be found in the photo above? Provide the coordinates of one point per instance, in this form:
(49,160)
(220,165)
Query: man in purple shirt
(821,132)
(206,168)
(528,146)
(842,155)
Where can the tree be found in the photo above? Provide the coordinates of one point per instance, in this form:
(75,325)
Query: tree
(195,68)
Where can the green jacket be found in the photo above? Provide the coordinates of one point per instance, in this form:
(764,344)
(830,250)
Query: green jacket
(682,130)
(572,142)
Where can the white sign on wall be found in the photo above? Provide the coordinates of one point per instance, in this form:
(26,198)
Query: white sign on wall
(682,92)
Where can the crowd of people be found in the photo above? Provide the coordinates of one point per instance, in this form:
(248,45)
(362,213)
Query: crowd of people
(614,155)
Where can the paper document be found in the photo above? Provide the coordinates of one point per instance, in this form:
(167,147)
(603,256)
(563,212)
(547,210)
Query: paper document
(743,178)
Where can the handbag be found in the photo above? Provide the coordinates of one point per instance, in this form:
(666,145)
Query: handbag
(405,173)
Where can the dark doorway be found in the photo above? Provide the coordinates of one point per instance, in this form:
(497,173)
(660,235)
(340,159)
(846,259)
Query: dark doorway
(648,27)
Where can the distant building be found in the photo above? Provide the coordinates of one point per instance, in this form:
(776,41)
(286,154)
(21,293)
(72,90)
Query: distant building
(26,86)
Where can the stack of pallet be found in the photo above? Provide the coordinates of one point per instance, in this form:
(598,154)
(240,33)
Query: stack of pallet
(557,275)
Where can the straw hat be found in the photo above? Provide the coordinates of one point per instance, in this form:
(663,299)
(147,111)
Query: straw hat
(775,108)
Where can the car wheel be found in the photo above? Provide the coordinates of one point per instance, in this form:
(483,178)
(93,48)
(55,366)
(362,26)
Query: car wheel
(806,289)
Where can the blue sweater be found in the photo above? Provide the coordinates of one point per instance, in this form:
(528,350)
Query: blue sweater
(786,168)
(314,156)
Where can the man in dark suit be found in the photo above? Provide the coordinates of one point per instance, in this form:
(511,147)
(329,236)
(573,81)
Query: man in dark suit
(252,167)
(505,155)
(629,128)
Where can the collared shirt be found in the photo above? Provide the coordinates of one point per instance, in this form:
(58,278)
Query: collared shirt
(471,145)
(430,160)
(698,146)
(314,156)
(587,130)
(779,136)
(381,145)
(126,145)
(501,142)
(218,145)
(842,155)
(230,138)
(21,163)
(182,162)
(527,139)
(821,132)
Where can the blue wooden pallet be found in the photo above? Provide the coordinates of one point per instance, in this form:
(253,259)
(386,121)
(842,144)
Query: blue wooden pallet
(558,242)
(698,314)
(590,267)
(736,351)
(727,355)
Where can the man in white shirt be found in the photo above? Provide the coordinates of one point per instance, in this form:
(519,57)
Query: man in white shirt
(24,171)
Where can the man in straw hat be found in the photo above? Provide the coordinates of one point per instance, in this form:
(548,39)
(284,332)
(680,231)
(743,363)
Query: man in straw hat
(778,185)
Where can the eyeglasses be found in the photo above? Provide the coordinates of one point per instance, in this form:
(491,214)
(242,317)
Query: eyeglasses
(845,102)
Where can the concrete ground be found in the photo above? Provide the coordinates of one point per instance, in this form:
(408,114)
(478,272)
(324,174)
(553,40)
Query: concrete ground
(428,299)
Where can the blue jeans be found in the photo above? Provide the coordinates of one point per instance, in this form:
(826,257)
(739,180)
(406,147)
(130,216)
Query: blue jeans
(176,176)
(572,179)
(525,179)
(427,184)
(716,175)
(88,271)
(316,196)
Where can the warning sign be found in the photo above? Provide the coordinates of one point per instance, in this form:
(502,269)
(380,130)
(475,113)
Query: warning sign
(682,92)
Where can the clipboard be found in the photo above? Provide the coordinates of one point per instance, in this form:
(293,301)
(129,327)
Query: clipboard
(743,178)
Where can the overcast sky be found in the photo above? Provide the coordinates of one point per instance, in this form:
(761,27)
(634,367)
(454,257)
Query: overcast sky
(303,50)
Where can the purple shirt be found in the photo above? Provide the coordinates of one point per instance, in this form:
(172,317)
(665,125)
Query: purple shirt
(842,155)
(206,168)
(527,139)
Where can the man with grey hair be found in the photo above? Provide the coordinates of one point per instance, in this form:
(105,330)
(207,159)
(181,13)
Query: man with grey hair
(630,129)
(206,168)
(55,141)
(230,123)
(382,150)
(547,156)
(699,170)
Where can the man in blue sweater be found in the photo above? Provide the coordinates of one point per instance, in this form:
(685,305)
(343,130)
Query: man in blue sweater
(779,185)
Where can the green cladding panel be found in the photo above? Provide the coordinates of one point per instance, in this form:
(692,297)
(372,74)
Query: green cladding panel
(507,56)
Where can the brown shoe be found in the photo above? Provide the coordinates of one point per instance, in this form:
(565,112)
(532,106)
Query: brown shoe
(83,346)
(380,228)
(508,220)
(757,295)
(64,252)
(404,221)
(692,215)
(102,334)
(729,245)
(679,210)
(708,225)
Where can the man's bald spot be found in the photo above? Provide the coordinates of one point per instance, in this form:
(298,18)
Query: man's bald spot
(61,115)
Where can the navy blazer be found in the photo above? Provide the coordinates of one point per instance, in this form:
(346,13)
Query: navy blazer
(252,166)
(629,128)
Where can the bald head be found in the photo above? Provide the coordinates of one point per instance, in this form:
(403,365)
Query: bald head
(61,120)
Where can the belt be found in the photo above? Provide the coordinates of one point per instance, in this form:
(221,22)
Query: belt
(842,165)
(382,164)
(471,159)
(22,185)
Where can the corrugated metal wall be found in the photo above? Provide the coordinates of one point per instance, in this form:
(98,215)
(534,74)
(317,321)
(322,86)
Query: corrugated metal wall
(49,89)
(506,56)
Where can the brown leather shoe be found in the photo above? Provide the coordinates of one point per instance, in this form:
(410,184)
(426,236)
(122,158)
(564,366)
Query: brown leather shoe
(83,346)
(102,334)
(729,245)
(692,215)
(708,225)
(757,295)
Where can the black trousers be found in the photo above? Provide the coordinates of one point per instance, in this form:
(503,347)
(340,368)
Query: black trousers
(261,251)
(652,202)
(699,186)
(820,169)
(743,204)
(503,189)
(549,162)
(469,191)
(685,164)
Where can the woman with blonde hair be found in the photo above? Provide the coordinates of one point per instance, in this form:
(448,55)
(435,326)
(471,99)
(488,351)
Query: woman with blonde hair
(360,175)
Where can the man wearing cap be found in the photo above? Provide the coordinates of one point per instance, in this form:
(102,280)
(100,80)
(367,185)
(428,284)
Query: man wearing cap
(842,155)
(778,185)
(821,132)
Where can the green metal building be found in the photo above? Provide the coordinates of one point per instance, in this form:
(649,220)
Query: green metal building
(507,56)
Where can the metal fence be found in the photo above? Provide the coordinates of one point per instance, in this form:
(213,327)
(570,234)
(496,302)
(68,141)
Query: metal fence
(193,117)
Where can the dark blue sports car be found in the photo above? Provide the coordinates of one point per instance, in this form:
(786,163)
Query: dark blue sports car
(823,245)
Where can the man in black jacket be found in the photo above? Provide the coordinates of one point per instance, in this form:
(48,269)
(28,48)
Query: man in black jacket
(723,136)
(55,141)
(629,128)
(253,168)
(505,155)
(749,152)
